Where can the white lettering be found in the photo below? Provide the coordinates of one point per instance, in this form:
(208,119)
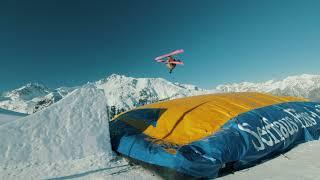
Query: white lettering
(269,133)
(258,147)
(268,126)
(262,132)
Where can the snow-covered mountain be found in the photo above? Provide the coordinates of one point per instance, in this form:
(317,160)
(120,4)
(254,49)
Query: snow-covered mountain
(24,98)
(127,92)
(122,93)
(31,98)
(304,85)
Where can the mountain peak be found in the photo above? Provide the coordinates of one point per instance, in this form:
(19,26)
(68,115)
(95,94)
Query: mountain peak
(115,76)
(28,91)
(34,86)
(302,76)
(111,77)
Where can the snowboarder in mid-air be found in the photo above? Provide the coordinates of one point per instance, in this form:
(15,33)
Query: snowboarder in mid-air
(169,60)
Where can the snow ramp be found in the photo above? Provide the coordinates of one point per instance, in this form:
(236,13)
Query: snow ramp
(68,137)
(201,135)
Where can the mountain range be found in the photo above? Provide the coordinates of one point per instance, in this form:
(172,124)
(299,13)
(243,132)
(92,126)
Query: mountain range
(305,85)
(124,93)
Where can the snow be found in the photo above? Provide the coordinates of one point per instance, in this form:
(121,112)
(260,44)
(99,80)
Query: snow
(304,85)
(26,98)
(70,139)
(70,136)
(7,116)
(127,92)
(28,92)
(120,91)
(301,162)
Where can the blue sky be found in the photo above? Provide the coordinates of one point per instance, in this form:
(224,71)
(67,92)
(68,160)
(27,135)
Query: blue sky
(66,43)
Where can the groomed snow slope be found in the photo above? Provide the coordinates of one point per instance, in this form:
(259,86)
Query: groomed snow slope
(69,137)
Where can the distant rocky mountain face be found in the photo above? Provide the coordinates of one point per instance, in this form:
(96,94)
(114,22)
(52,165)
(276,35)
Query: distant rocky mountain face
(124,93)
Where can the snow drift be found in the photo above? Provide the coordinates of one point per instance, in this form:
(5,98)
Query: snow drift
(7,116)
(69,136)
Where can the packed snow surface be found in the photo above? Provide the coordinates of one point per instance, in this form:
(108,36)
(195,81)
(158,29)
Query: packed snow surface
(301,162)
(7,116)
(68,137)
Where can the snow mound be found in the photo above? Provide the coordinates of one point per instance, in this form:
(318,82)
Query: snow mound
(70,136)
(7,116)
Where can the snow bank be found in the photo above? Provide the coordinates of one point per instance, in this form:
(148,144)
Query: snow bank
(69,137)
(7,116)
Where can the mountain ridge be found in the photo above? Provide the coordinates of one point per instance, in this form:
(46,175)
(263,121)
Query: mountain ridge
(124,93)
(305,85)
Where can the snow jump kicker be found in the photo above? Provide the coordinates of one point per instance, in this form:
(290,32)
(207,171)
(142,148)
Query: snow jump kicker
(200,135)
